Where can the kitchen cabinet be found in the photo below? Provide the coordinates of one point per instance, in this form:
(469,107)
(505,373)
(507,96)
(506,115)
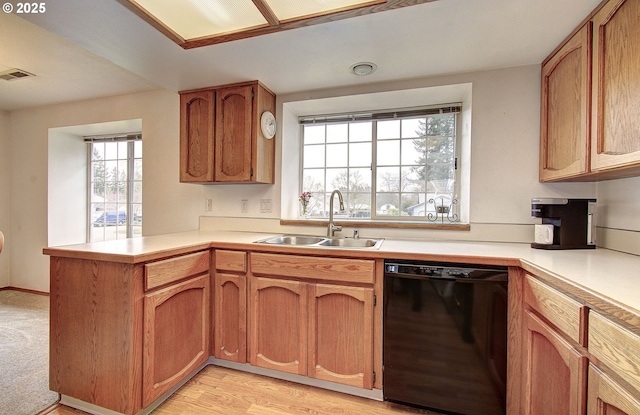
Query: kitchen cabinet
(555,366)
(565,109)
(176,322)
(614,349)
(616,90)
(590,106)
(220,136)
(317,322)
(230,306)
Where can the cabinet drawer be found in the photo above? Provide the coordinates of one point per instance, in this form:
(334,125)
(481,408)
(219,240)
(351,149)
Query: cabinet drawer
(563,312)
(616,347)
(328,269)
(234,261)
(174,269)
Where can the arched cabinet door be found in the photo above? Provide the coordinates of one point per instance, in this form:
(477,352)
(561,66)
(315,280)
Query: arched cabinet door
(233,134)
(230,317)
(196,136)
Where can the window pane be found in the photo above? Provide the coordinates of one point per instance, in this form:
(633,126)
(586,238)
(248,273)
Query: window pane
(137,169)
(388,129)
(123,150)
(411,180)
(110,151)
(98,151)
(337,133)
(359,205)
(137,149)
(360,155)
(360,131)
(387,204)
(359,180)
(388,153)
(411,128)
(313,180)
(388,179)
(412,152)
(313,156)
(337,155)
(336,179)
(314,134)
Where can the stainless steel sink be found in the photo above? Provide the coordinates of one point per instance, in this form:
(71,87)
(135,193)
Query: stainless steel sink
(323,242)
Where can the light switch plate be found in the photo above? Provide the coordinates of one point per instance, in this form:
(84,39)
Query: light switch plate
(265,206)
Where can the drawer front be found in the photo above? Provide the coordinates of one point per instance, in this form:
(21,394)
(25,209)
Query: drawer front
(616,347)
(563,312)
(327,269)
(234,261)
(174,269)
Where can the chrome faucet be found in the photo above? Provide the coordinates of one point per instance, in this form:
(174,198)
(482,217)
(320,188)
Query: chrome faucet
(333,228)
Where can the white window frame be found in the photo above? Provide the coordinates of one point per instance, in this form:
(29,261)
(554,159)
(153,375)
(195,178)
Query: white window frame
(441,214)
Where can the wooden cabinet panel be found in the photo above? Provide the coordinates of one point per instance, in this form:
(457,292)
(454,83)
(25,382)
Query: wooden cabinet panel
(176,335)
(616,90)
(233,134)
(341,334)
(196,136)
(555,372)
(278,325)
(230,317)
(327,269)
(174,269)
(606,397)
(616,347)
(565,110)
(566,314)
(233,261)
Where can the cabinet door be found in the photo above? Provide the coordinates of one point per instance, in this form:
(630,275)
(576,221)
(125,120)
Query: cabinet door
(606,397)
(616,91)
(565,109)
(278,325)
(176,335)
(341,334)
(196,136)
(233,134)
(555,373)
(230,317)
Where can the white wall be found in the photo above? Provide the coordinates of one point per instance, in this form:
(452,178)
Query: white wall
(4,197)
(168,205)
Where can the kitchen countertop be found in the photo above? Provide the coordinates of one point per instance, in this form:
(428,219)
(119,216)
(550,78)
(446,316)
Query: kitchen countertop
(601,274)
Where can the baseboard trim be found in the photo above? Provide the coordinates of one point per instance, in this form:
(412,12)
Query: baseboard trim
(24,290)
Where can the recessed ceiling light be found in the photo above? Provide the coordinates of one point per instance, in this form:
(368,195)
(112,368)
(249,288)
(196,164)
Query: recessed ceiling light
(364,68)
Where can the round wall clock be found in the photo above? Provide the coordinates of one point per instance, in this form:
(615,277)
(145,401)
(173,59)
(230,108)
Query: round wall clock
(268,124)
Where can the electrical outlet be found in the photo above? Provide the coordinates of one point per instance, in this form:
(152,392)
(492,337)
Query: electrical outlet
(244,206)
(208,205)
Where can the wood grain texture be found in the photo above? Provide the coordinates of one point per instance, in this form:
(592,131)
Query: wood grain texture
(196,136)
(317,268)
(555,374)
(606,397)
(565,109)
(174,269)
(515,344)
(616,347)
(278,325)
(232,261)
(230,317)
(566,314)
(96,332)
(616,91)
(233,133)
(341,334)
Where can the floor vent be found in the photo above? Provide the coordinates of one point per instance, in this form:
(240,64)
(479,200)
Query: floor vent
(13,74)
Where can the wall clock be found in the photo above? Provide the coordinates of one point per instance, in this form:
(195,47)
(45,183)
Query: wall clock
(268,124)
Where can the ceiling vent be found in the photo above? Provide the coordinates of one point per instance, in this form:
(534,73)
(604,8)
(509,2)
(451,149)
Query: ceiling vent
(13,74)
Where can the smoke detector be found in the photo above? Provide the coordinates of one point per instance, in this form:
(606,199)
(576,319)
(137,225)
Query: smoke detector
(13,74)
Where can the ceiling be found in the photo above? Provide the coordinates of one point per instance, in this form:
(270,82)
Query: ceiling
(79,49)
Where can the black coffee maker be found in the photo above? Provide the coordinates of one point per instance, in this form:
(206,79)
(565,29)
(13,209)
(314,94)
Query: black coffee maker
(573,222)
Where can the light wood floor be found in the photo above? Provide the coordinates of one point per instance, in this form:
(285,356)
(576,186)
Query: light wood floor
(217,390)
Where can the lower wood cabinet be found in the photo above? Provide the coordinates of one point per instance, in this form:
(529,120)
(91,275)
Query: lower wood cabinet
(607,397)
(555,372)
(230,317)
(176,334)
(341,334)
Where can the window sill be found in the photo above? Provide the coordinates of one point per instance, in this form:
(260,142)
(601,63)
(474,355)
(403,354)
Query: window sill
(378,224)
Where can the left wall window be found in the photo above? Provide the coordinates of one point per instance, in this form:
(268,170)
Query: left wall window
(115,187)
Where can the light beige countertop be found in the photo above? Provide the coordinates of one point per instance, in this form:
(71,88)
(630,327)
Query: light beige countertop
(600,273)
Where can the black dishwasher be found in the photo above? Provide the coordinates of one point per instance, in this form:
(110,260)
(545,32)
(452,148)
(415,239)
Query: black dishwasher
(445,336)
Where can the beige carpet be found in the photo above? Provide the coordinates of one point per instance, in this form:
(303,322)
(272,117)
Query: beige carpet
(24,353)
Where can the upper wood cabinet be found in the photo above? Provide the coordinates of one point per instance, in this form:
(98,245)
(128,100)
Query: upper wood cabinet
(220,136)
(616,88)
(590,99)
(564,116)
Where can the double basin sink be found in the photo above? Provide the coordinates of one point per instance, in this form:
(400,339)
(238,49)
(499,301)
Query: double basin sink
(322,241)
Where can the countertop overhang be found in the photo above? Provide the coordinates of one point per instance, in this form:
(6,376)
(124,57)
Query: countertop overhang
(600,274)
